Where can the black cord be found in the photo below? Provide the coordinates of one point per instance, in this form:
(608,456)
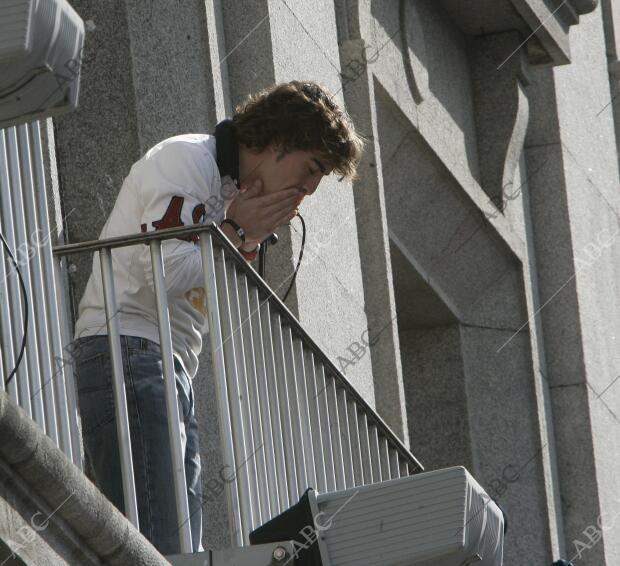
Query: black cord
(301,254)
(23,287)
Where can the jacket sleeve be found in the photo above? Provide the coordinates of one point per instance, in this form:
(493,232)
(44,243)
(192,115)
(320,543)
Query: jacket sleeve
(174,183)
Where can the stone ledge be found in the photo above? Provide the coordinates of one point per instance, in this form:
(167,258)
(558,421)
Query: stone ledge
(544,29)
(583,7)
(51,477)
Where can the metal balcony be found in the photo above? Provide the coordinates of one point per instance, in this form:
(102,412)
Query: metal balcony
(289,418)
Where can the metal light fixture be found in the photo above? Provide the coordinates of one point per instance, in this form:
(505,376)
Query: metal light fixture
(40,57)
(437,518)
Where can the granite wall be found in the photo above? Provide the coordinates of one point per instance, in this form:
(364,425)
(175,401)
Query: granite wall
(479,246)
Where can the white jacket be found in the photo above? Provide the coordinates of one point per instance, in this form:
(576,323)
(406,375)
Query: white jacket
(177,177)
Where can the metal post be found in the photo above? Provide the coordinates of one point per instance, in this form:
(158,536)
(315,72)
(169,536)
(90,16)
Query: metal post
(273,476)
(356,443)
(247,467)
(315,422)
(232,388)
(18,388)
(42,397)
(375,455)
(403,469)
(255,410)
(59,326)
(285,413)
(367,466)
(304,413)
(219,368)
(59,321)
(330,390)
(384,459)
(274,406)
(296,411)
(118,384)
(325,425)
(6,337)
(341,398)
(172,406)
(394,469)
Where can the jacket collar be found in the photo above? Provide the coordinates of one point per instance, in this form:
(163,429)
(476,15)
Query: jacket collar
(227,150)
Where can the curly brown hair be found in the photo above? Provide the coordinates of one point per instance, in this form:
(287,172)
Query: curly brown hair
(300,116)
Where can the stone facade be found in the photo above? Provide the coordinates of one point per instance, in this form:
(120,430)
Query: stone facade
(478,249)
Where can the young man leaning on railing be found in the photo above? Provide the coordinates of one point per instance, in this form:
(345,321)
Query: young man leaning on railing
(276,149)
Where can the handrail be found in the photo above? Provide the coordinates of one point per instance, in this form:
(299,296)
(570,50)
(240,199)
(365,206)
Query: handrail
(331,442)
(223,241)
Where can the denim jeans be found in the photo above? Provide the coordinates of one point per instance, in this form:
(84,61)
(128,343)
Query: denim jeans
(148,426)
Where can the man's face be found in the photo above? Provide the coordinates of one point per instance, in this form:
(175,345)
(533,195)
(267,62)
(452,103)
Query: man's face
(297,169)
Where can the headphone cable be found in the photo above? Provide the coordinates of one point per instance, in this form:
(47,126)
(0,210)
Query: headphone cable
(301,254)
(23,288)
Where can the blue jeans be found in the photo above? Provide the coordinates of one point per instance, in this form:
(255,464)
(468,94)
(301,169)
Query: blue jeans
(148,426)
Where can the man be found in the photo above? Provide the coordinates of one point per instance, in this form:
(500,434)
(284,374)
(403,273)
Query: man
(250,178)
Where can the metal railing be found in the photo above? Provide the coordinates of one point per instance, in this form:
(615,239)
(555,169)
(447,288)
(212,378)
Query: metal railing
(43,385)
(288,417)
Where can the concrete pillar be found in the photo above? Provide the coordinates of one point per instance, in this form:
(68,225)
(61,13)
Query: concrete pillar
(370,214)
(575,203)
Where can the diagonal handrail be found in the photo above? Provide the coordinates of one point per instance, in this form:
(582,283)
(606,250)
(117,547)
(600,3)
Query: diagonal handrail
(221,240)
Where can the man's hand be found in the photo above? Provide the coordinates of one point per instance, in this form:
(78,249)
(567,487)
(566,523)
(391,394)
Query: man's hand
(259,215)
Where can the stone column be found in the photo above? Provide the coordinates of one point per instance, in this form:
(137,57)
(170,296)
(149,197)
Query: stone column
(356,52)
(575,215)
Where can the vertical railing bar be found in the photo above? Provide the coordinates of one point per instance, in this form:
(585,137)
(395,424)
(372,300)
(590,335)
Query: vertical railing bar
(65,367)
(304,413)
(367,467)
(394,470)
(2,374)
(289,319)
(276,420)
(265,403)
(356,448)
(321,387)
(118,383)
(221,388)
(294,410)
(403,468)
(43,403)
(284,404)
(315,421)
(384,458)
(345,436)
(33,379)
(232,380)
(254,405)
(248,465)
(6,337)
(335,431)
(19,384)
(172,403)
(375,454)
(58,318)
